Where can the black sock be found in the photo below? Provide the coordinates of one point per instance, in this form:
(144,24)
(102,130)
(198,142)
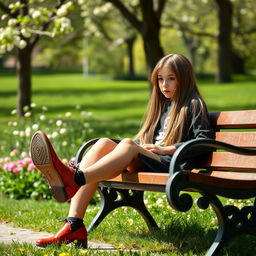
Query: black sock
(76,223)
(79,177)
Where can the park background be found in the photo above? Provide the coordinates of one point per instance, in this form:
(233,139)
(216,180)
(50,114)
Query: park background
(79,70)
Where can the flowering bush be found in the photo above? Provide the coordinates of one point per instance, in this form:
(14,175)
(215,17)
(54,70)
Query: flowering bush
(18,176)
(22,21)
(20,179)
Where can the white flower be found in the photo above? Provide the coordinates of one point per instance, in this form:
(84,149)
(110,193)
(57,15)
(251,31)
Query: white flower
(24,154)
(64,143)
(80,2)
(58,122)
(44,108)
(14,123)
(14,112)
(159,201)
(33,105)
(22,134)
(68,114)
(62,130)
(36,14)
(25,32)
(35,127)
(42,117)
(28,114)
(55,134)
(4,16)
(26,108)
(62,11)
(12,22)
(28,131)
(21,44)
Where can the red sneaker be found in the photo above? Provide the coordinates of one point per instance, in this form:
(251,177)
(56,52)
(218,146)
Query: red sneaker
(66,236)
(59,176)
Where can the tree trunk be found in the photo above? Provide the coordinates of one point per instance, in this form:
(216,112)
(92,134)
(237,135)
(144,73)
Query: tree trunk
(153,51)
(149,27)
(191,47)
(224,61)
(238,64)
(24,77)
(150,33)
(130,43)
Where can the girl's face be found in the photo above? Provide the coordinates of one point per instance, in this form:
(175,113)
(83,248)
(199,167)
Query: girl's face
(167,82)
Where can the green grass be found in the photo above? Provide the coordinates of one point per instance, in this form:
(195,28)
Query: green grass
(118,107)
(179,234)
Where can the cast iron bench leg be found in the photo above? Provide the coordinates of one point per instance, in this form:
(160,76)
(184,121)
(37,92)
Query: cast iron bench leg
(112,198)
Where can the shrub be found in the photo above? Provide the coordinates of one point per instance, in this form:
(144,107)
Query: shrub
(20,179)
(18,176)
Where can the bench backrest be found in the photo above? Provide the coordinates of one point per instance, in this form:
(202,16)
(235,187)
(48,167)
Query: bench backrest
(237,128)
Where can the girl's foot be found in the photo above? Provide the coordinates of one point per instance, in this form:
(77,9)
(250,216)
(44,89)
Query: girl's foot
(66,235)
(59,176)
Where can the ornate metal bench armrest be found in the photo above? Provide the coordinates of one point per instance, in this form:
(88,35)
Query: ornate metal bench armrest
(211,143)
(85,146)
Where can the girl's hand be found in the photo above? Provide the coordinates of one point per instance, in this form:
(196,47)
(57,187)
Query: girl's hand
(168,150)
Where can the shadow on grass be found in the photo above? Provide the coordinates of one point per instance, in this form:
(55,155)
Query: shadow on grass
(194,238)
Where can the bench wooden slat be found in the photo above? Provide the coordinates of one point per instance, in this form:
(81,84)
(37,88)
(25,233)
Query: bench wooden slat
(231,161)
(142,178)
(234,119)
(241,139)
(222,179)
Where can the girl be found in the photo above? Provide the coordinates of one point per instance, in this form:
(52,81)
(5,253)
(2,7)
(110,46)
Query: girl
(176,113)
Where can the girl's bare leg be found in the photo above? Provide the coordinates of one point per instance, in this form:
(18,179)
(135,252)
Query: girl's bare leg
(105,160)
(82,198)
(123,156)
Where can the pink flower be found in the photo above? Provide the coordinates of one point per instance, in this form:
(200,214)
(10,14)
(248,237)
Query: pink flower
(27,160)
(9,166)
(16,170)
(21,163)
(31,166)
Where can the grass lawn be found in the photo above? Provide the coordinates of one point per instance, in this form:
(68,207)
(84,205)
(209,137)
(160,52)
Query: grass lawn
(117,108)
(118,104)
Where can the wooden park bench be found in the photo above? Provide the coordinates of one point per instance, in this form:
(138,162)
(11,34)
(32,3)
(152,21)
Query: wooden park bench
(229,172)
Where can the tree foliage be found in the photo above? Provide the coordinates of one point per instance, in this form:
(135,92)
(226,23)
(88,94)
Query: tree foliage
(23,24)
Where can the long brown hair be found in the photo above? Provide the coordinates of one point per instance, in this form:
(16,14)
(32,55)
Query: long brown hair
(186,95)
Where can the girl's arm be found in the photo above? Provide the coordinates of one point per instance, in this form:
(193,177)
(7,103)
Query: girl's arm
(166,150)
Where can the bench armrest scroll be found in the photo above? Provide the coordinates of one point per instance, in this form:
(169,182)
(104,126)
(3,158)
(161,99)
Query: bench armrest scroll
(210,143)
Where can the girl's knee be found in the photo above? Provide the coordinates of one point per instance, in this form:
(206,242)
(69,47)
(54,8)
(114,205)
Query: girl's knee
(128,144)
(105,142)
(127,141)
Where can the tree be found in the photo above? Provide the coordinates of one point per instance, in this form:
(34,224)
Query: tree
(224,10)
(148,26)
(147,23)
(25,22)
(104,21)
(244,32)
(195,23)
